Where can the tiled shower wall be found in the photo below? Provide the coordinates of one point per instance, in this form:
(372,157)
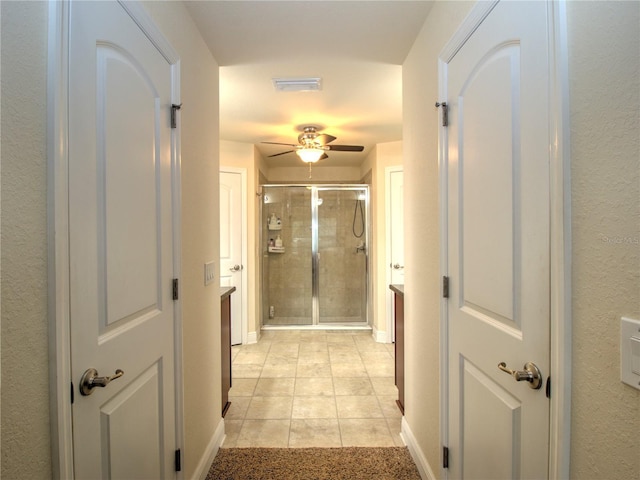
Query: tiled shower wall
(287,277)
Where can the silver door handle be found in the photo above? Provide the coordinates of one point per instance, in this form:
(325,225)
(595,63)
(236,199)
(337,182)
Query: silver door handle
(397,266)
(531,374)
(90,380)
(236,268)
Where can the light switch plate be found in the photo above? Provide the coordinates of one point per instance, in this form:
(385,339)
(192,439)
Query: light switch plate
(630,352)
(209,272)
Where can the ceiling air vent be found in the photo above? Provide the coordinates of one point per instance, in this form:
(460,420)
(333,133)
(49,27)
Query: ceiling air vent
(309,84)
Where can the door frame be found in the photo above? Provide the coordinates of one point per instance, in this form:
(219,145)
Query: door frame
(560,229)
(243,249)
(388,260)
(60,379)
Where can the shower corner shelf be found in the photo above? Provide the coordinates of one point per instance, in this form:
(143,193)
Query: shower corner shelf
(275,227)
(276,249)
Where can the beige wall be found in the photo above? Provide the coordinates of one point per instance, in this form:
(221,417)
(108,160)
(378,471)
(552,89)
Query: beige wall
(604,51)
(200,228)
(422,280)
(25,402)
(318,174)
(242,155)
(604,71)
(384,155)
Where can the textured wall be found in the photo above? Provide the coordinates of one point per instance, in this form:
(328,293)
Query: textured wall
(604,47)
(25,402)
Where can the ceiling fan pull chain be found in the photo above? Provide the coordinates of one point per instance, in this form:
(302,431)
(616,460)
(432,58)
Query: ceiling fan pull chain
(309,170)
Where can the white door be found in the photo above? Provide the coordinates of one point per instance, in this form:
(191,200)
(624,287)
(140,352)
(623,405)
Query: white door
(121,249)
(498,245)
(396,223)
(231,262)
(395,236)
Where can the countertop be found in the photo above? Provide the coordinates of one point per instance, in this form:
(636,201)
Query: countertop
(226,291)
(399,289)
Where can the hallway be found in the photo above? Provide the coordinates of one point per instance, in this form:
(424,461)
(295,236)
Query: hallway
(313,389)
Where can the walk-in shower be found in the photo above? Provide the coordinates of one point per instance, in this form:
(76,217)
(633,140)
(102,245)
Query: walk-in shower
(315,261)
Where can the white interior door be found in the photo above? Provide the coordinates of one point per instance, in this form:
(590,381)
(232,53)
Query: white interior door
(498,245)
(395,236)
(396,231)
(121,249)
(231,261)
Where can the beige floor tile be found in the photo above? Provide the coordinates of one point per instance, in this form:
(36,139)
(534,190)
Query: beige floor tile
(279,370)
(384,386)
(358,406)
(367,344)
(264,433)
(348,370)
(313,357)
(314,407)
(345,357)
(314,386)
(312,347)
(314,370)
(274,387)
(376,357)
(389,406)
(314,432)
(240,370)
(395,427)
(255,357)
(336,338)
(281,359)
(269,408)
(232,431)
(238,408)
(285,348)
(380,369)
(365,433)
(352,386)
(312,336)
(243,387)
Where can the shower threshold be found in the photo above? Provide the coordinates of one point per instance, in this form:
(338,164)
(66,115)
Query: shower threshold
(340,327)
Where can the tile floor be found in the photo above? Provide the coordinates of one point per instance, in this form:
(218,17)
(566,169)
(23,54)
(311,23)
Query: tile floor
(313,389)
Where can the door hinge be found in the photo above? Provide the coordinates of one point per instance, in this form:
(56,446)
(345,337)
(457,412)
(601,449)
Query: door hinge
(445,457)
(445,113)
(72,393)
(175,289)
(445,287)
(174,110)
(178,460)
(548,387)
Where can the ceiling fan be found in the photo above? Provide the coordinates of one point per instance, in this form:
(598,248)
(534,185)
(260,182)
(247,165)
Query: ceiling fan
(312,146)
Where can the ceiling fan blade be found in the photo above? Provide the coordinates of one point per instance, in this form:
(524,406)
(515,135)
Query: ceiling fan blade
(323,138)
(324,155)
(346,148)
(281,153)
(276,143)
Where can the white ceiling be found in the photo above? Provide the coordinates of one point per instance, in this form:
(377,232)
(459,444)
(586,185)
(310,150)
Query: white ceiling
(356,47)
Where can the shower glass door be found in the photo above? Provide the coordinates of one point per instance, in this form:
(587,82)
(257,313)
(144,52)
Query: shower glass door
(314,255)
(287,279)
(340,254)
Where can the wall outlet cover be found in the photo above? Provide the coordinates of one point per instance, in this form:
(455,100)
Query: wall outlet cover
(209,272)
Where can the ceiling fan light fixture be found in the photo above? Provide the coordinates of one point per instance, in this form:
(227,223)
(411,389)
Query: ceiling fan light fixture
(307,84)
(310,154)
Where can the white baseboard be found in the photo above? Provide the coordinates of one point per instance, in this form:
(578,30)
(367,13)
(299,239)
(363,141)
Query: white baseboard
(252,337)
(426,472)
(378,336)
(210,453)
